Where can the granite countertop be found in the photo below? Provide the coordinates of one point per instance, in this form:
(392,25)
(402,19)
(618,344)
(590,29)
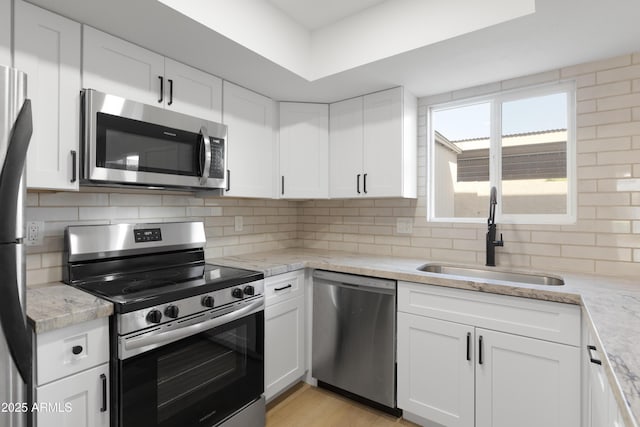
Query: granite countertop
(611,304)
(57,305)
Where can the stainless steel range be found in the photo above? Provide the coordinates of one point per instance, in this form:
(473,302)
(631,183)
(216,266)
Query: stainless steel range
(187,337)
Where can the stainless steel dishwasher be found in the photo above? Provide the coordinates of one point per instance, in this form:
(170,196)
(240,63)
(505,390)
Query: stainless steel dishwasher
(354,336)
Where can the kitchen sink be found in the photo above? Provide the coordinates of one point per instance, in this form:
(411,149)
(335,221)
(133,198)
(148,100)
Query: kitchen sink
(480,273)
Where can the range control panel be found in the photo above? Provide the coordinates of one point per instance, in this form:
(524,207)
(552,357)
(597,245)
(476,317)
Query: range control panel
(147,235)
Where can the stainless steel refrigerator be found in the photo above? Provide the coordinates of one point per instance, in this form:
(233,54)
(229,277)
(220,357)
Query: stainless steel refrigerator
(15,337)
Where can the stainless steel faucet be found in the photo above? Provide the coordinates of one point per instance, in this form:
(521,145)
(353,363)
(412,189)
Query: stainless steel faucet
(491,232)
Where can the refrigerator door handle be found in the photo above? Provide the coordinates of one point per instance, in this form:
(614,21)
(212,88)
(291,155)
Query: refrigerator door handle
(11,174)
(12,316)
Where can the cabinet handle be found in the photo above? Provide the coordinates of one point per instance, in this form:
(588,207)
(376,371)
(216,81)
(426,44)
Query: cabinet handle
(103,378)
(161,89)
(358,183)
(480,358)
(283,185)
(591,348)
(74,168)
(170,91)
(76,349)
(228,180)
(468,345)
(283,288)
(364,183)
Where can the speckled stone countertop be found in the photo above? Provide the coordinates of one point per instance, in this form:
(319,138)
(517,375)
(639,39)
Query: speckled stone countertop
(57,305)
(611,304)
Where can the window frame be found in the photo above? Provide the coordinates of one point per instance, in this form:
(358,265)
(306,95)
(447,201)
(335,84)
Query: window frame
(495,154)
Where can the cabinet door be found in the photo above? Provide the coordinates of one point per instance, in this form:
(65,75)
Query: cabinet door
(117,67)
(80,400)
(193,92)
(436,370)
(47,48)
(598,392)
(5,33)
(304,150)
(284,345)
(526,382)
(383,133)
(251,142)
(345,148)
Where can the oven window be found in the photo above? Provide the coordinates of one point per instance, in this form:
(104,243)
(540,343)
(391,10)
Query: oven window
(196,381)
(128,144)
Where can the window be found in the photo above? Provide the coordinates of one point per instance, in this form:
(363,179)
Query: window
(521,142)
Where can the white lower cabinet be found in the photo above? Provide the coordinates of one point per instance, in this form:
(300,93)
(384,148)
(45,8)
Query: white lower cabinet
(460,374)
(80,400)
(285,361)
(72,376)
(600,406)
(435,375)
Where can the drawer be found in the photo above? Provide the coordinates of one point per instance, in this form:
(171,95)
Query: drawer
(283,286)
(545,320)
(69,350)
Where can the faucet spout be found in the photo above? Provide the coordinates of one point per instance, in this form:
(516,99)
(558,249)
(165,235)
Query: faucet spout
(491,230)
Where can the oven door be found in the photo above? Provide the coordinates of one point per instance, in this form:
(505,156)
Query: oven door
(127,142)
(195,381)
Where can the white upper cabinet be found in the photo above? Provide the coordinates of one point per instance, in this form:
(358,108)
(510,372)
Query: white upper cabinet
(193,92)
(304,150)
(5,32)
(385,125)
(345,148)
(47,48)
(117,67)
(251,142)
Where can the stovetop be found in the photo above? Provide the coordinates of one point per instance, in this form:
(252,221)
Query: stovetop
(136,290)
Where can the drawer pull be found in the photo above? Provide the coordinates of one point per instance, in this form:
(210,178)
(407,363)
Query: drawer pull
(77,349)
(591,348)
(103,378)
(284,287)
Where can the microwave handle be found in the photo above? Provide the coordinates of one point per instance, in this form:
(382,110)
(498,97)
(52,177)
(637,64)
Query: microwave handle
(207,155)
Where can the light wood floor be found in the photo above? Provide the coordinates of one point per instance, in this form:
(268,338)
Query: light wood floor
(306,406)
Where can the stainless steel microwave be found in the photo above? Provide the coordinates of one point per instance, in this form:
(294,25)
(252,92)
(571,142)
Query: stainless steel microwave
(130,143)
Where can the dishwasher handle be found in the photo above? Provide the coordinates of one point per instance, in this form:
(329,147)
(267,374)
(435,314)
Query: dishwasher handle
(353,280)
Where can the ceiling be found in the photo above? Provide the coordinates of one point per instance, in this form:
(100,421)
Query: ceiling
(314,14)
(558,34)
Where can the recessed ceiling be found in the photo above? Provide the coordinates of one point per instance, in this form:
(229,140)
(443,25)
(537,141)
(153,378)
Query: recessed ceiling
(560,33)
(314,14)
(364,36)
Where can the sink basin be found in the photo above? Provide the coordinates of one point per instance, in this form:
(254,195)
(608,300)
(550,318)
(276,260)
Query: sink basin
(479,273)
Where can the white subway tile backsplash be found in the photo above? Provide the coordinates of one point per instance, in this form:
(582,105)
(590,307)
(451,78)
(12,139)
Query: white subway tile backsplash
(74,199)
(120,199)
(52,214)
(591,67)
(111,213)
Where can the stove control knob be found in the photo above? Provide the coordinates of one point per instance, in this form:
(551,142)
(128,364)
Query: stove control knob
(249,290)
(237,293)
(154,316)
(207,301)
(171,311)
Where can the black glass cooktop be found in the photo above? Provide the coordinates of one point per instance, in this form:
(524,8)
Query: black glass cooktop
(135,290)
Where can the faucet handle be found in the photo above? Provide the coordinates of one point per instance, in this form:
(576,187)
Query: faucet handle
(500,242)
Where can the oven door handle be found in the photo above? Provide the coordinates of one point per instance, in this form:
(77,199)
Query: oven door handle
(186,331)
(206,142)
